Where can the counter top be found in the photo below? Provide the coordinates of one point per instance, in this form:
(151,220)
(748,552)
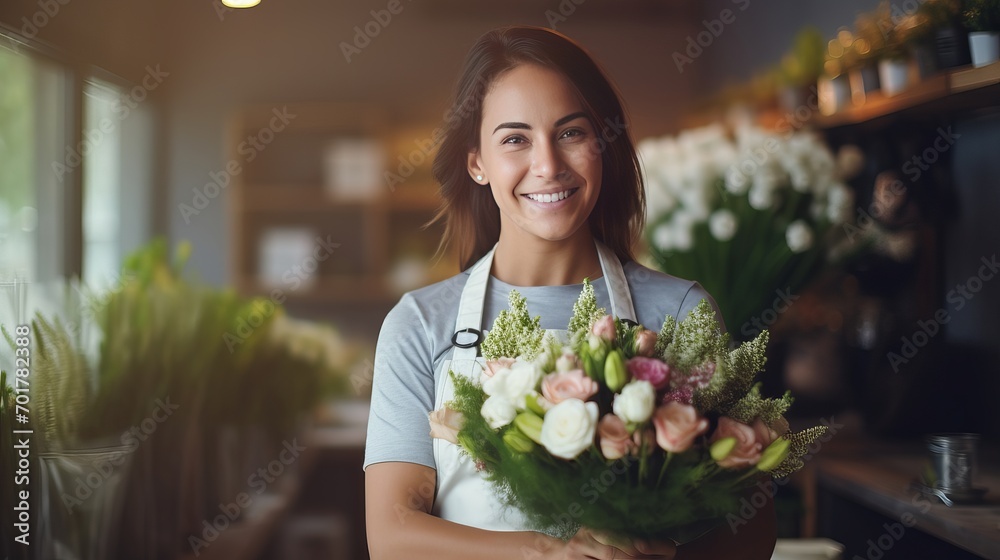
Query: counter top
(878,476)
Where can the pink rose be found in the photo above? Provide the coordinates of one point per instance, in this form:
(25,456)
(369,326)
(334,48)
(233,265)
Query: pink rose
(445,424)
(493,366)
(645,343)
(649,369)
(677,425)
(747,450)
(572,384)
(604,328)
(613,437)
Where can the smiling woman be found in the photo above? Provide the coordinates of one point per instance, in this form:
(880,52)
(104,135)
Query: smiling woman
(541,190)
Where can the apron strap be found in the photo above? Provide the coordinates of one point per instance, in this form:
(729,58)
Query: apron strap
(469,324)
(614,277)
(470,309)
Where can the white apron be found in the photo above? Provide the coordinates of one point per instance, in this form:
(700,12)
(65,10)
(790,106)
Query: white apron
(463,495)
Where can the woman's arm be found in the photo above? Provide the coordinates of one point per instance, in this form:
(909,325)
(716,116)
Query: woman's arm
(398,500)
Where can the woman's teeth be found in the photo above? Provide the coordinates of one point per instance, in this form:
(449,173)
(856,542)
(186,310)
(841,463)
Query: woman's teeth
(554,197)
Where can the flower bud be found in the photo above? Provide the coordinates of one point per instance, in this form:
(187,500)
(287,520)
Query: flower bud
(517,441)
(645,343)
(722,448)
(530,425)
(615,372)
(773,455)
(604,328)
(533,404)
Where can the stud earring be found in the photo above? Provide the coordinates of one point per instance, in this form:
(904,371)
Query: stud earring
(479,177)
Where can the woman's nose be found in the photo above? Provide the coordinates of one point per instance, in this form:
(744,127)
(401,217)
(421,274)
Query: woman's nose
(546,161)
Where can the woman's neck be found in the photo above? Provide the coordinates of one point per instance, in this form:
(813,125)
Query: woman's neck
(535,262)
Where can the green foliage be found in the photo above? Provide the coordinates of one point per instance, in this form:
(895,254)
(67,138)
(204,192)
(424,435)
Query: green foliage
(514,333)
(752,406)
(734,375)
(982,15)
(695,340)
(800,442)
(804,64)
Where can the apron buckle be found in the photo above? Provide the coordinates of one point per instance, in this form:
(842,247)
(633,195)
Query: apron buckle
(475,343)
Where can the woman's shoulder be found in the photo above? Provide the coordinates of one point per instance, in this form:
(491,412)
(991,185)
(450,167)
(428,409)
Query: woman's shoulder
(664,294)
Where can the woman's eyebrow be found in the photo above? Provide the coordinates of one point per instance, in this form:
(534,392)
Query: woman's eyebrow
(525,126)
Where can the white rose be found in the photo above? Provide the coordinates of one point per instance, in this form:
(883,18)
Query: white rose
(636,401)
(514,383)
(799,236)
(569,427)
(498,412)
(722,224)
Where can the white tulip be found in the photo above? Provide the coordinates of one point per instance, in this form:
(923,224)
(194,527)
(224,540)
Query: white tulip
(569,428)
(636,402)
(498,412)
(799,236)
(663,237)
(722,224)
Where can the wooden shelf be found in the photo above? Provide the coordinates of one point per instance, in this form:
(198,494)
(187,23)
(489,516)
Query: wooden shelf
(312,198)
(964,89)
(282,187)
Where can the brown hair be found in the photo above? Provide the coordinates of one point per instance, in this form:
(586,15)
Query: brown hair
(472,218)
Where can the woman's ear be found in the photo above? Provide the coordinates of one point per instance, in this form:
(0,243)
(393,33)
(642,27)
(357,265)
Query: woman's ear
(475,166)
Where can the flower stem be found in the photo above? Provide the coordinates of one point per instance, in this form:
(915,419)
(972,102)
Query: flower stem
(663,470)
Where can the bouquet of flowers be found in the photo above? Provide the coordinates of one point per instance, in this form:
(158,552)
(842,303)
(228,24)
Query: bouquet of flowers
(619,428)
(720,204)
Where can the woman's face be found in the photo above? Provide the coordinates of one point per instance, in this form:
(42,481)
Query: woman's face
(539,153)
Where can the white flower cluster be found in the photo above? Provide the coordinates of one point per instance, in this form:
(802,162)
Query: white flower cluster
(691,177)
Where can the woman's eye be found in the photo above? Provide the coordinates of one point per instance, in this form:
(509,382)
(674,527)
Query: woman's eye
(573,133)
(513,140)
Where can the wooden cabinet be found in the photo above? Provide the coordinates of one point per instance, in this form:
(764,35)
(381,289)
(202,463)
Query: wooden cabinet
(368,249)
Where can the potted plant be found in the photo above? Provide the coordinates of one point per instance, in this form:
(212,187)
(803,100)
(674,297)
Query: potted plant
(982,18)
(944,19)
(801,67)
(885,39)
(867,49)
(834,87)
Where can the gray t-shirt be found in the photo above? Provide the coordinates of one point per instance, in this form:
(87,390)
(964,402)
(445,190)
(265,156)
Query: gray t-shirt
(415,340)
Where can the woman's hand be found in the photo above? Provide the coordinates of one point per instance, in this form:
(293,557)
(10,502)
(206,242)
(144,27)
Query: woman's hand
(592,545)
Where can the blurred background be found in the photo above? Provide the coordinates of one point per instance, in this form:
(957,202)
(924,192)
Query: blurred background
(206,213)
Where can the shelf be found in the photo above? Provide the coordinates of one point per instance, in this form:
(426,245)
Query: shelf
(964,89)
(298,198)
(338,289)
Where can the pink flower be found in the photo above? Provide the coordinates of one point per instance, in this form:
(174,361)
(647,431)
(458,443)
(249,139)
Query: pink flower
(493,366)
(682,395)
(677,425)
(748,448)
(649,369)
(604,328)
(445,424)
(640,436)
(572,384)
(613,437)
(645,343)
